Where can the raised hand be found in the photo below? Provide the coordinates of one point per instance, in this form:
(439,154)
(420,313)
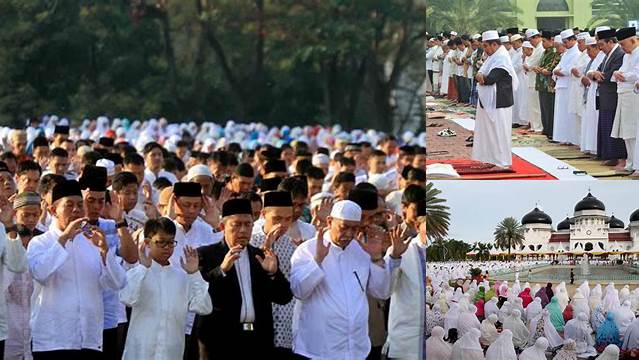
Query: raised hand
(230,257)
(190,261)
(116,212)
(374,242)
(276,232)
(268,262)
(321,250)
(6,212)
(98,238)
(397,235)
(72,230)
(211,212)
(322,211)
(169,211)
(144,257)
(148,192)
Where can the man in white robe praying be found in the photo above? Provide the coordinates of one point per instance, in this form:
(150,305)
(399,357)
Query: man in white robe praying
(576,103)
(520,106)
(564,128)
(330,276)
(590,119)
(496,84)
(532,61)
(625,125)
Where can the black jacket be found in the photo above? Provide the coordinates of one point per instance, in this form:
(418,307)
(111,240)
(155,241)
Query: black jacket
(504,83)
(221,330)
(607,88)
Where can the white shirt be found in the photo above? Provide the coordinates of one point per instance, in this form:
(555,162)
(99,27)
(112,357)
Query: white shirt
(160,297)
(429,58)
(13,257)
(199,234)
(243,271)
(67,310)
(630,69)
(151,177)
(331,317)
(437,63)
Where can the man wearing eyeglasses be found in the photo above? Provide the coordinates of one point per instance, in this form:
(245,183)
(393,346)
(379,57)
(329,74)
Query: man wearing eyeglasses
(244,282)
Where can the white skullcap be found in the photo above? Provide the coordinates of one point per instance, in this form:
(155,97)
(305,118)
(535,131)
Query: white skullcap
(381,181)
(558,39)
(453,33)
(489,35)
(531,32)
(346,210)
(601,28)
(583,36)
(108,164)
(316,199)
(320,159)
(504,39)
(197,170)
(83,150)
(476,37)
(528,45)
(516,37)
(591,41)
(567,33)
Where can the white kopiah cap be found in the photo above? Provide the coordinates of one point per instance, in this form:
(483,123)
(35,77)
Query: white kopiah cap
(528,45)
(453,33)
(346,210)
(558,39)
(567,33)
(108,164)
(197,170)
(516,37)
(591,41)
(504,39)
(320,159)
(489,35)
(583,36)
(601,28)
(531,32)
(476,37)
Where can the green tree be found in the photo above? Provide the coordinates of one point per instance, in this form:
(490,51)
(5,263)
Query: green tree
(614,13)
(470,16)
(483,251)
(438,215)
(509,234)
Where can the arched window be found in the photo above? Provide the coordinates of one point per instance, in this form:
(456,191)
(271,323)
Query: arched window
(588,247)
(552,5)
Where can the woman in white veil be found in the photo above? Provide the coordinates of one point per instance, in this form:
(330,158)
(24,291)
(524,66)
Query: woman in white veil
(579,330)
(542,326)
(611,300)
(520,332)
(502,348)
(624,316)
(468,320)
(533,309)
(595,297)
(450,319)
(468,347)
(580,303)
(611,352)
(436,347)
(491,307)
(585,289)
(562,296)
(488,330)
(537,351)
(624,293)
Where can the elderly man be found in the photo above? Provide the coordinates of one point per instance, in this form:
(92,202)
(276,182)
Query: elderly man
(496,84)
(625,125)
(531,62)
(564,129)
(330,276)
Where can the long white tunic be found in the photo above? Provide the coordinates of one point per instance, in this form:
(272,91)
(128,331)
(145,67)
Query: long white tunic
(67,311)
(534,110)
(520,107)
(625,125)
(493,126)
(564,127)
(405,328)
(14,258)
(590,120)
(576,104)
(446,70)
(160,297)
(331,317)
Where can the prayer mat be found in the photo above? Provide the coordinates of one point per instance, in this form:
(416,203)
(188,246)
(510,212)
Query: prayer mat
(435,115)
(476,170)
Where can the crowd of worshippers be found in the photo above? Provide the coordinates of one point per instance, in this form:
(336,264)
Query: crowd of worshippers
(167,251)
(500,321)
(577,87)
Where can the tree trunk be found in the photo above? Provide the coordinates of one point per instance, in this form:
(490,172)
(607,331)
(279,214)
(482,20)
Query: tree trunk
(170,58)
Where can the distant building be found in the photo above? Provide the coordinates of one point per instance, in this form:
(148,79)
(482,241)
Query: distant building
(589,231)
(554,14)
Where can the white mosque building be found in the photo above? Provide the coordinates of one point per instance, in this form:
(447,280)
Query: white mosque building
(589,231)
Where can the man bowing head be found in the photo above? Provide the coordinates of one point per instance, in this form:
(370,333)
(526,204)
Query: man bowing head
(330,276)
(244,281)
(496,82)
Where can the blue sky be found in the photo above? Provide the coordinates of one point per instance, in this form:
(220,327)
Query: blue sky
(478,206)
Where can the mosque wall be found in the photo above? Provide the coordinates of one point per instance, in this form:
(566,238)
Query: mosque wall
(578,14)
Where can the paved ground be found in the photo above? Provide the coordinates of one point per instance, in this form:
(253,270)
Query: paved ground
(455,147)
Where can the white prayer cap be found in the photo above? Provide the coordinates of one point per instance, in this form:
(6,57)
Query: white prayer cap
(197,170)
(516,37)
(476,37)
(528,45)
(320,159)
(591,41)
(454,33)
(316,199)
(558,39)
(567,33)
(531,32)
(601,28)
(504,39)
(583,36)
(108,164)
(346,210)
(489,35)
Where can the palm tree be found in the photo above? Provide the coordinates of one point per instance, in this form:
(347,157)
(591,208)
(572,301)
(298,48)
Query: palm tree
(438,216)
(468,16)
(615,13)
(508,234)
(483,251)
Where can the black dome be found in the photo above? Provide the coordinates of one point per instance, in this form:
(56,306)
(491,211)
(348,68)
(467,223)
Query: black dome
(590,203)
(564,225)
(536,217)
(615,223)
(634,216)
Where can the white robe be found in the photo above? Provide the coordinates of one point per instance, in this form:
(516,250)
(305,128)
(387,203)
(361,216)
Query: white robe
(13,258)
(502,348)
(445,72)
(564,121)
(493,126)
(436,347)
(520,97)
(160,297)
(590,119)
(535,352)
(576,105)
(625,124)
(467,347)
(534,110)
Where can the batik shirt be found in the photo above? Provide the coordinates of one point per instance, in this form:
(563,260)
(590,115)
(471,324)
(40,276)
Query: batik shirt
(549,60)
